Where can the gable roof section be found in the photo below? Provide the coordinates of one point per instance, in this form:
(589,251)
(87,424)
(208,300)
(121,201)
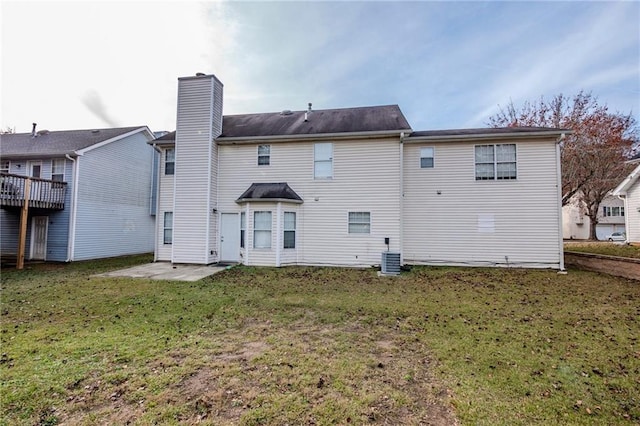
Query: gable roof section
(270,192)
(58,143)
(329,121)
(627,182)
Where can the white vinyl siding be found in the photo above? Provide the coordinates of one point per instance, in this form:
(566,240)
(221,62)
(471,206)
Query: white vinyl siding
(633,213)
(447,220)
(321,220)
(427,157)
(262,230)
(323,160)
(289,236)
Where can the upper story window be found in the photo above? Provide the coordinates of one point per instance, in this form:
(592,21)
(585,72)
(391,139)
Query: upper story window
(359,222)
(323,160)
(5,166)
(57,170)
(262,230)
(426,157)
(495,162)
(264,155)
(170,161)
(35,168)
(289,230)
(612,211)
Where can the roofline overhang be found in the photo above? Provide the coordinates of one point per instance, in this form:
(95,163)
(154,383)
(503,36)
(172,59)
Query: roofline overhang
(38,155)
(312,136)
(268,200)
(624,186)
(114,139)
(488,136)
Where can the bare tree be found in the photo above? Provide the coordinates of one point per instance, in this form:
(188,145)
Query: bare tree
(592,156)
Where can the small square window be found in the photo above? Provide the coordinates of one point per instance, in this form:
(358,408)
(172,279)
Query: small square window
(359,222)
(264,155)
(426,157)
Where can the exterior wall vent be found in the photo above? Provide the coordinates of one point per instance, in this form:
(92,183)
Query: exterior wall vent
(390,264)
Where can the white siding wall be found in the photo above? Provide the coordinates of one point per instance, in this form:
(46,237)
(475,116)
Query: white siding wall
(633,213)
(366,177)
(446,228)
(194,198)
(165,204)
(113,200)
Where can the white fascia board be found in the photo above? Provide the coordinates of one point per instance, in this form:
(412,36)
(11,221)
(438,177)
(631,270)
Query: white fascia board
(316,137)
(486,136)
(627,182)
(143,129)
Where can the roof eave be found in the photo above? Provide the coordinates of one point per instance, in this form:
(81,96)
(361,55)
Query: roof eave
(268,200)
(487,136)
(314,136)
(627,182)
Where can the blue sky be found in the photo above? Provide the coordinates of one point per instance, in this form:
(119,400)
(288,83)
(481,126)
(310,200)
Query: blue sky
(70,65)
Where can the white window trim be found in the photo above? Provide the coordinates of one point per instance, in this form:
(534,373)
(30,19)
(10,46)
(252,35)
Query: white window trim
(294,230)
(243,230)
(64,165)
(433,157)
(268,156)
(8,168)
(166,156)
(349,223)
(495,163)
(324,161)
(256,229)
(30,165)
(165,228)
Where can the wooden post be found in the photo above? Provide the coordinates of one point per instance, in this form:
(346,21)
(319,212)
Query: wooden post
(24,216)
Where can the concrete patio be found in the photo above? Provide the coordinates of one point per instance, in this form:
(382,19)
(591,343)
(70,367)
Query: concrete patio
(167,271)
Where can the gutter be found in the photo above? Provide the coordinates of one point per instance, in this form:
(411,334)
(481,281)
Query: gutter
(314,136)
(487,136)
(71,234)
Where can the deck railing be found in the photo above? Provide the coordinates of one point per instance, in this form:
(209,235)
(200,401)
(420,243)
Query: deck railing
(43,193)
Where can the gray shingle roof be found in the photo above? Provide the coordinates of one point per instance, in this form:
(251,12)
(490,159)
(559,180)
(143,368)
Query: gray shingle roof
(56,142)
(361,119)
(486,131)
(269,192)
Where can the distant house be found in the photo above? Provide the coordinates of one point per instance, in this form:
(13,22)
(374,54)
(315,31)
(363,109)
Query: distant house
(90,193)
(342,186)
(629,191)
(576,224)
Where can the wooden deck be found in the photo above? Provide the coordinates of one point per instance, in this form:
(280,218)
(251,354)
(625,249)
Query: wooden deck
(43,194)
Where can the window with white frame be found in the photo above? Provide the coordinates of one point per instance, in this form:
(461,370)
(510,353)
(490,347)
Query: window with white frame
(168,227)
(243,228)
(289,230)
(170,161)
(496,162)
(57,170)
(262,230)
(264,155)
(359,222)
(323,160)
(426,157)
(5,166)
(612,211)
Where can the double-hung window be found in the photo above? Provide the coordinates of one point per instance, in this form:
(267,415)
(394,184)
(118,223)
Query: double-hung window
(359,222)
(170,161)
(289,230)
(57,170)
(243,227)
(5,166)
(264,155)
(168,227)
(323,160)
(612,211)
(426,157)
(496,162)
(262,230)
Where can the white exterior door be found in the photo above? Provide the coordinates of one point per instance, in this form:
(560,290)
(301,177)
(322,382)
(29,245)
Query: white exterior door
(39,226)
(230,237)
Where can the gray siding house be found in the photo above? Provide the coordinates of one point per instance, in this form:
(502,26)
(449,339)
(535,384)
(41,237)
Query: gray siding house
(90,193)
(343,186)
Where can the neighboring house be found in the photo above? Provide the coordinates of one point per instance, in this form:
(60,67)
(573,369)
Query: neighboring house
(90,192)
(576,224)
(629,191)
(341,186)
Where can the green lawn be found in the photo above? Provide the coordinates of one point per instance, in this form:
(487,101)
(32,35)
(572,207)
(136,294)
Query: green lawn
(319,346)
(603,247)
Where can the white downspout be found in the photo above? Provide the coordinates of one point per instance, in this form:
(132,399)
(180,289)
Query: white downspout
(559,183)
(158,220)
(401,198)
(71,234)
